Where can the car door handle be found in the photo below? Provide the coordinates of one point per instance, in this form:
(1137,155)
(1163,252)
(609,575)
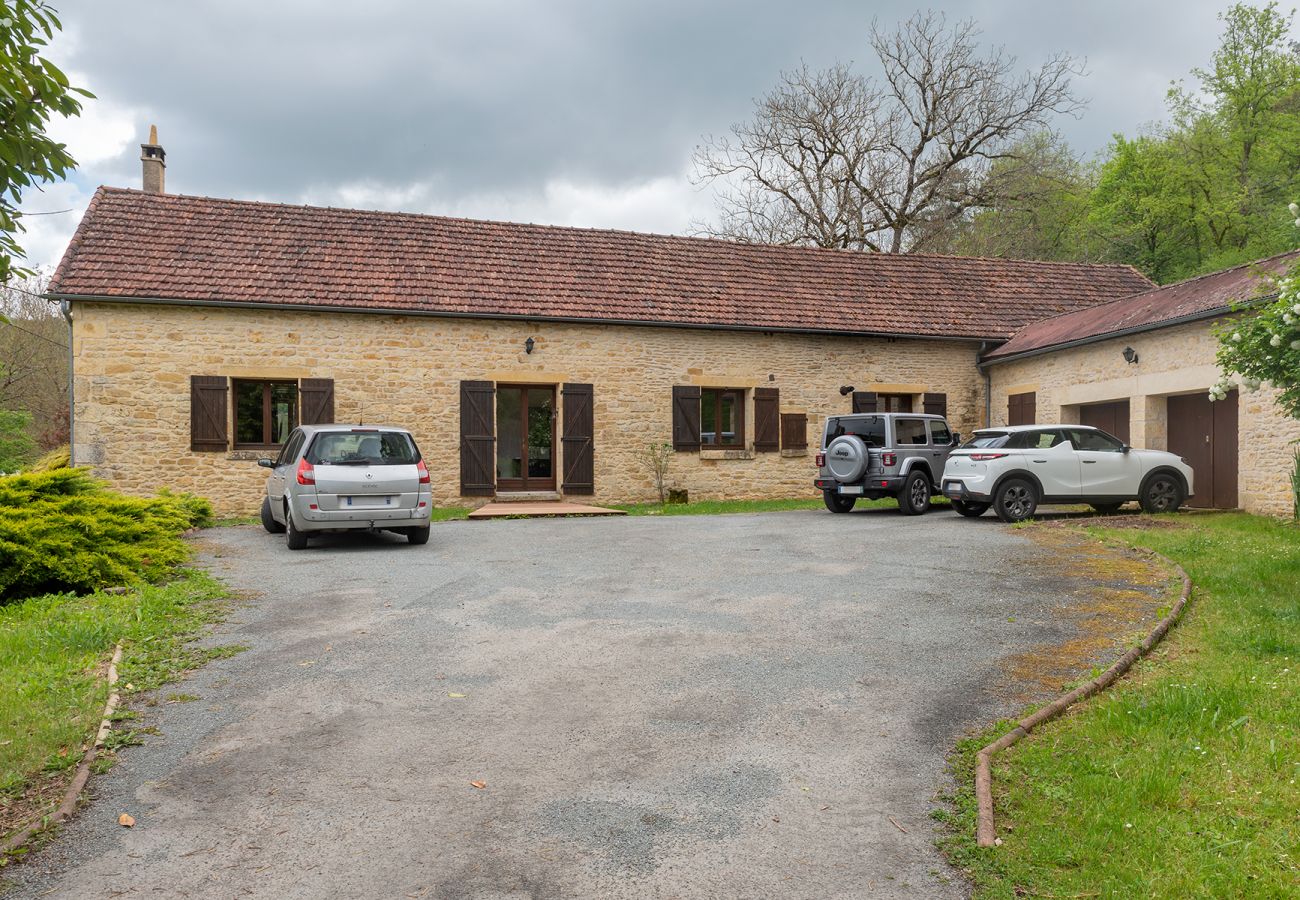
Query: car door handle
(1089,462)
(1039,460)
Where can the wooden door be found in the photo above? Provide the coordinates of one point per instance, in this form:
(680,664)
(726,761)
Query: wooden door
(1112,418)
(1205,434)
(525,438)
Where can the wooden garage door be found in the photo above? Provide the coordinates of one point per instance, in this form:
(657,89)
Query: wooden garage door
(1111,418)
(1205,434)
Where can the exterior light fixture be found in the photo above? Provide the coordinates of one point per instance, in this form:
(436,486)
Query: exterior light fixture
(846,390)
(1130,355)
(528,345)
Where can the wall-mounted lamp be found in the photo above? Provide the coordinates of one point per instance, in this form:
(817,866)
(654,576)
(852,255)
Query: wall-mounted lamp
(846,390)
(1130,355)
(528,345)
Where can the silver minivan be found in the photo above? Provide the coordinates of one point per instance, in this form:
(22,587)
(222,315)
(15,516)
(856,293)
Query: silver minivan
(345,477)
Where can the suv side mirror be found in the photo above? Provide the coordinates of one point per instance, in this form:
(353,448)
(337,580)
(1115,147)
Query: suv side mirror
(266,463)
(1125,449)
(956,438)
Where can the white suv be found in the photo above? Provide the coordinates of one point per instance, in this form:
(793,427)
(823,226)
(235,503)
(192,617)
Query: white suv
(1016,468)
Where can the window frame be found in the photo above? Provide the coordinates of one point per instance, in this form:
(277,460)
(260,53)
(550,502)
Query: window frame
(718,394)
(267,417)
(907,400)
(925,430)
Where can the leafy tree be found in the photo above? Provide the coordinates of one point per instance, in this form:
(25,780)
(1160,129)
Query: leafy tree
(32,89)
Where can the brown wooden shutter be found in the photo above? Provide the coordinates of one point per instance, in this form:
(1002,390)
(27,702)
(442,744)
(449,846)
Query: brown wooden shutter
(864,401)
(477,432)
(686,417)
(794,431)
(209,416)
(767,420)
(935,404)
(1022,409)
(577,439)
(316,401)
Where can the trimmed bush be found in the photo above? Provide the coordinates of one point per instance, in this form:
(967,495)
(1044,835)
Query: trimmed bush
(58,458)
(63,530)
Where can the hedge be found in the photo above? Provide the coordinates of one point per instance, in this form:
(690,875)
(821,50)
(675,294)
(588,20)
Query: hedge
(63,530)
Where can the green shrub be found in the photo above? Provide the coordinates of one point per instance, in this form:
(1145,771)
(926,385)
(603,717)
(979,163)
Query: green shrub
(58,458)
(16,444)
(65,531)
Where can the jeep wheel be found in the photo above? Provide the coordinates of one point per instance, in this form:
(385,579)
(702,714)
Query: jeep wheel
(1162,492)
(914,499)
(970,509)
(1016,500)
(268,520)
(837,504)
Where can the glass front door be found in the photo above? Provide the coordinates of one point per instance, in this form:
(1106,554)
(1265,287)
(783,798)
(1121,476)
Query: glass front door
(525,438)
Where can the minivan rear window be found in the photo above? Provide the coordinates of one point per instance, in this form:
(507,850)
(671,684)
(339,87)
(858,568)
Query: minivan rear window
(983,440)
(363,447)
(870,428)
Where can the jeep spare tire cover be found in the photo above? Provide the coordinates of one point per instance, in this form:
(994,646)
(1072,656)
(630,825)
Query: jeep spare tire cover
(846,457)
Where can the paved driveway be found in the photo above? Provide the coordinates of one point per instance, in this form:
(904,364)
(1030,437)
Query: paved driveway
(734,706)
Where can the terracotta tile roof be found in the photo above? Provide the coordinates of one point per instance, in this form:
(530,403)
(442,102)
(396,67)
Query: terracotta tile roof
(1201,297)
(132,244)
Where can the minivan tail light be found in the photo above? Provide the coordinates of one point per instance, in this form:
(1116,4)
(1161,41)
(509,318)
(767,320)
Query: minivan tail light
(888,459)
(985,457)
(424,472)
(821,460)
(306,474)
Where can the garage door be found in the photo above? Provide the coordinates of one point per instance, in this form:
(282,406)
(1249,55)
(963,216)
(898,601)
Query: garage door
(1111,418)
(1205,434)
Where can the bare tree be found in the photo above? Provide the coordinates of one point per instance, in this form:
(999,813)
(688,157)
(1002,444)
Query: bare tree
(34,360)
(836,159)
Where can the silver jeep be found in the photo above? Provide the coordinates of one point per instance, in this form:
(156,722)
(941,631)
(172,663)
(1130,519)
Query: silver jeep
(876,455)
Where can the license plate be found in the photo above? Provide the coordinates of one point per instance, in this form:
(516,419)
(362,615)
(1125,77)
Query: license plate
(372,501)
(853,489)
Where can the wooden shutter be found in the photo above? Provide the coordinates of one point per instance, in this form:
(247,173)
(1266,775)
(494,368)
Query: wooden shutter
(209,416)
(1022,409)
(577,439)
(935,404)
(316,401)
(767,419)
(477,432)
(864,401)
(794,431)
(686,417)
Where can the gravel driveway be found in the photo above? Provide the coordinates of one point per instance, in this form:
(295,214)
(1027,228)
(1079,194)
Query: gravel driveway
(725,706)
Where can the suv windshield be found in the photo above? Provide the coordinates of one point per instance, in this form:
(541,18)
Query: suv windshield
(363,447)
(870,428)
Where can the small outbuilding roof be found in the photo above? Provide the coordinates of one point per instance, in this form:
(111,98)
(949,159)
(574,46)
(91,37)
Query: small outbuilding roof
(133,245)
(1203,297)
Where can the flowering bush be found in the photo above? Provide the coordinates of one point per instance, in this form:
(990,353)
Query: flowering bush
(1264,346)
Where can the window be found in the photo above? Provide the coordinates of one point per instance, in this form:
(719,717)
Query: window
(910,431)
(940,436)
(722,418)
(363,447)
(1095,440)
(290,450)
(870,428)
(986,440)
(894,403)
(1035,440)
(265,412)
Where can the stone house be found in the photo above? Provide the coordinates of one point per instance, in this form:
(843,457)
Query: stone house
(528,361)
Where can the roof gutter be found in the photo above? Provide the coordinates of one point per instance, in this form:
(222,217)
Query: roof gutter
(1124,332)
(443,314)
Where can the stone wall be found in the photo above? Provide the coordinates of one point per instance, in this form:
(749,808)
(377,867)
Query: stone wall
(133,364)
(1174,360)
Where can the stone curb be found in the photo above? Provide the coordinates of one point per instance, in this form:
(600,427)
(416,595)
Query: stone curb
(986,835)
(73,793)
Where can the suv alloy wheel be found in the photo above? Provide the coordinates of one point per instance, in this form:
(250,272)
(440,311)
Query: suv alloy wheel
(1161,493)
(914,499)
(1016,500)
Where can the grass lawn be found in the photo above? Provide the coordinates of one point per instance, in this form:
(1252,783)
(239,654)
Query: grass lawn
(52,691)
(1181,781)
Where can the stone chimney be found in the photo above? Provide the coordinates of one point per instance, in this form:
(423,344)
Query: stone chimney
(154,160)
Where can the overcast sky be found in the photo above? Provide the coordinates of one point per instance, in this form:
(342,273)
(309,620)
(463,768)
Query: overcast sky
(563,112)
